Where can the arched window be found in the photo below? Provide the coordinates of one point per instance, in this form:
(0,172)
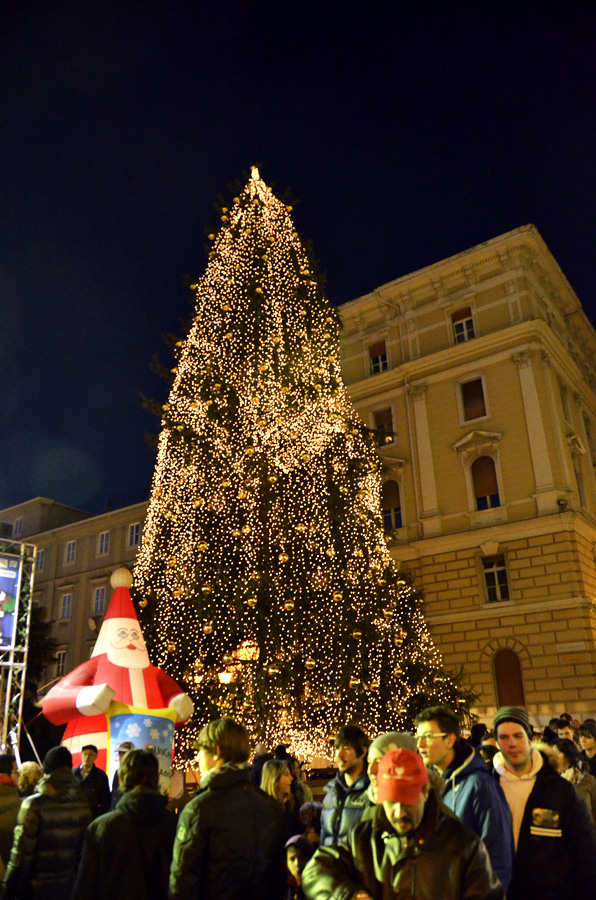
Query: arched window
(509,682)
(484,479)
(391,505)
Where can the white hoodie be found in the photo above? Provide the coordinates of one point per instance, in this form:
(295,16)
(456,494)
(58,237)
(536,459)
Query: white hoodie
(517,788)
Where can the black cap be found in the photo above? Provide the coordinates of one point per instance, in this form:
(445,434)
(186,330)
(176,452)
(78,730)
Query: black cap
(512,714)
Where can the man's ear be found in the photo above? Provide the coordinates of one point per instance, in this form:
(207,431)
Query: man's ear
(451,739)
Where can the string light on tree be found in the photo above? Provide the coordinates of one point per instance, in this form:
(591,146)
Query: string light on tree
(270,590)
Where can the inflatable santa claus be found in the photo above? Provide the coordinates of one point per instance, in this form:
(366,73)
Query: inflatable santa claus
(119,669)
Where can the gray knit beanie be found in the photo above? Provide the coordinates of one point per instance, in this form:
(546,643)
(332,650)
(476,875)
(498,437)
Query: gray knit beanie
(512,714)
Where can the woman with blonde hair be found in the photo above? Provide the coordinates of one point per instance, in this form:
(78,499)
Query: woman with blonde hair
(276,780)
(29,774)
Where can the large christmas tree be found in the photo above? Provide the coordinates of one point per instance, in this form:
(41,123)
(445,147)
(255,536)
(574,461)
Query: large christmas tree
(264,578)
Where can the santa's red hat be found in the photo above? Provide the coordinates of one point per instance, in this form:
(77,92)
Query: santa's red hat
(121,604)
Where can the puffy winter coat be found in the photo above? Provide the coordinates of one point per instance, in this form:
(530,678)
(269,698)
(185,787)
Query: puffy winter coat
(585,785)
(556,849)
(478,801)
(128,852)
(343,806)
(10,803)
(441,860)
(47,841)
(230,842)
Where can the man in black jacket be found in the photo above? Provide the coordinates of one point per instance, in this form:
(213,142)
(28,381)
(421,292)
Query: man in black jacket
(413,847)
(555,845)
(127,852)
(94,782)
(230,839)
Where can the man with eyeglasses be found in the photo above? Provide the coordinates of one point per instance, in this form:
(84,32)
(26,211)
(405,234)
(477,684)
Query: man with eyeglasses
(470,790)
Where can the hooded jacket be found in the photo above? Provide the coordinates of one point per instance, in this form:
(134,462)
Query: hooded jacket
(47,840)
(441,860)
(127,852)
(555,857)
(343,807)
(230,841)
(479,802)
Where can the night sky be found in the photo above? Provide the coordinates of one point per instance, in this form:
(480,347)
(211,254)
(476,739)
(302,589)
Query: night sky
(407,131)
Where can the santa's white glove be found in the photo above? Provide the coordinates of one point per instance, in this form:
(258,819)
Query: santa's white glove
(183,705)
(94,699)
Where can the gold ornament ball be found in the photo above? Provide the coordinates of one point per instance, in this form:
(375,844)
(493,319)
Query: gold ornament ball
(202,545)
(273,670)
(330,552)
(310,663)
(143,603)
(388,439)
(283,557)
(251,601)
(249,451)
(354,682)
(272,479)
(301,527)
(374,685)
(246,529)
(226,483)
(337,596)
(236,532)
(228,658)
(173,562)
(289,605)
(388,613)
(171,648)
(206,589)
(208,628)
(356,634)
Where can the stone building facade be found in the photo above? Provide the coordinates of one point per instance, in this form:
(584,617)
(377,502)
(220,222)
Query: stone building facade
(76,554)
(480,369)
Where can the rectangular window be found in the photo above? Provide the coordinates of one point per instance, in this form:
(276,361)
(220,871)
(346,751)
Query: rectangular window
(60,663)
(495,578)
(472,398)
(103,543)
(391,505)
(40,560)
(378,357)
(590,439)
(463,325)
(384,423)
(565,401)
(17,528)
(99,600)
(70,552)
(134,532)
(66,606)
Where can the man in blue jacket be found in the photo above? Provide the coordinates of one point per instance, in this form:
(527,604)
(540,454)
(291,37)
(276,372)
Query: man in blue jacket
(470,790)
(345,796)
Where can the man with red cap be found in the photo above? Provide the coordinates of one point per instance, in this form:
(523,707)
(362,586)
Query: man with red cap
(412,847)
(119,669)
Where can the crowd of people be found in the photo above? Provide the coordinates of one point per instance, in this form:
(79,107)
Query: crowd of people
(434,815)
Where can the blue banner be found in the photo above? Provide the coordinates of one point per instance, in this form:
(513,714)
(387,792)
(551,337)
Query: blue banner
(147,729)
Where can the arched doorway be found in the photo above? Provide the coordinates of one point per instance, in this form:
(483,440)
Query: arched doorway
(509,681)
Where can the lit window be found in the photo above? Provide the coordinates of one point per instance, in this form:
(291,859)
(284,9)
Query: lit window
(17,528)
(495,579)
(40,560)
(391,505)
(71,549)
(60,663)
(103,543)
(66,606)
(463,325)
(134,532)
(484,479)
(378,357)
(99,600)
(472,398)
(384,424)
